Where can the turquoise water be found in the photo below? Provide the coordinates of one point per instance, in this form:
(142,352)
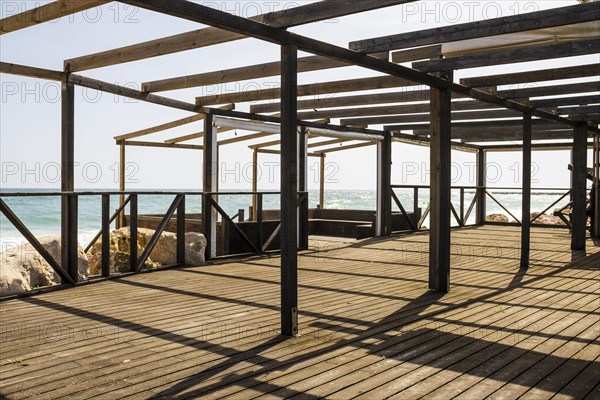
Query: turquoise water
(42,214)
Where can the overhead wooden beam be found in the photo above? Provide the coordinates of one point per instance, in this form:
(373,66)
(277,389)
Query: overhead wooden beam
(162,145)
(512,56)
(304,14)
(347,147)
(45,13)
(202,14)
(478,29)
(314,89)
(305,64)
(167,125)
(419,53)
(131,93)
(31,72)
(479,125)
(513,135)
(578,71)
(252,136)
(423,95)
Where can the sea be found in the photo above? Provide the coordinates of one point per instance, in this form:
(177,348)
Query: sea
(41,215)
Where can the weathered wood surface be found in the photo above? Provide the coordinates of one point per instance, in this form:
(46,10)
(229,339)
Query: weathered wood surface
(369,326)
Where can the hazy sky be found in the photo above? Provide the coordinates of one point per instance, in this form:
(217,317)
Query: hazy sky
(30,108)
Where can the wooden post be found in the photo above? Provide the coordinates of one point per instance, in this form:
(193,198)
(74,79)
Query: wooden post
(322,181)
(289,192)
(209,185)
(68,202)
(383,219)
(439,233)
(105,235)
(579,179)
(181,230)
(596,193)
(303,187)
(254,184)
(526,199)
(121,218)
(133,230)
(481,183)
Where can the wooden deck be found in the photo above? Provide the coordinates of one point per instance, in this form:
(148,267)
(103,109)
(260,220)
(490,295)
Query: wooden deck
(369,327)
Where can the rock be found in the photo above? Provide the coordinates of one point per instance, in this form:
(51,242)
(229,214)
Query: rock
(164,253)
(497,218)
(23,268)
(547,219)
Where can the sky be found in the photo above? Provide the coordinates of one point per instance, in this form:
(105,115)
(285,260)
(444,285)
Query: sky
(30,108)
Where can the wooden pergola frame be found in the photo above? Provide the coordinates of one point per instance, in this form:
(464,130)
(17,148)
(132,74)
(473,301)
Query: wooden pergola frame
(434,116)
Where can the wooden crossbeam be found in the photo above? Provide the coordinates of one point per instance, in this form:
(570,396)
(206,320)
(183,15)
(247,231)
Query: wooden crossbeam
(423,95)
(202,14)
(419,53)
(531,53)
(342,148)
(163,145)
(578,71)
(45,13)
(31,72)
(473,30)
(314,89)
(168,125)
(313,12)
(478,125)
(305,64)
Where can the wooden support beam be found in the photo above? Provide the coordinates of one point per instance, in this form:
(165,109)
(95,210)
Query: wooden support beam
(383,214)
(481,162)
(480,125)
(303,187)
(595,196)
(162,145)
(312,63)
(202,14)
(423,95)
(132,93)
(67,183)
(535,146)
(418,53)
(245,137)
(31,72)
(478,29)
(439,233)
(210,176)
(300,15)
(314,89)
(526,197)
(45,13)
(322,181)
(514,135)
(578,71)
(531,53)
(289,191)
(347,147)
(167,125)
(122,170)
(578,189)
(255,187)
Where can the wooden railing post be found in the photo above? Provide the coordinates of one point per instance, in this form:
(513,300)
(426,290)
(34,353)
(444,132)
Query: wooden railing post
(209,185)
(181,230)
(383,215)
(106,235)
(133,230)
(481,183)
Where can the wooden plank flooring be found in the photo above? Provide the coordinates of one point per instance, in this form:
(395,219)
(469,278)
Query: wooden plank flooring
(369,327)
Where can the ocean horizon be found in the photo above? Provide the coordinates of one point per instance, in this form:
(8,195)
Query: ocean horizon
(42,214)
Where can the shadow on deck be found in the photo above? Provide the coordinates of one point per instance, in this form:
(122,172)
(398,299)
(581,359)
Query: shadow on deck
(369,326)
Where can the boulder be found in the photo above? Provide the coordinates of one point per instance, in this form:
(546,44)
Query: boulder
(23,268)
(164,253)
(547,219)
(497,218)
